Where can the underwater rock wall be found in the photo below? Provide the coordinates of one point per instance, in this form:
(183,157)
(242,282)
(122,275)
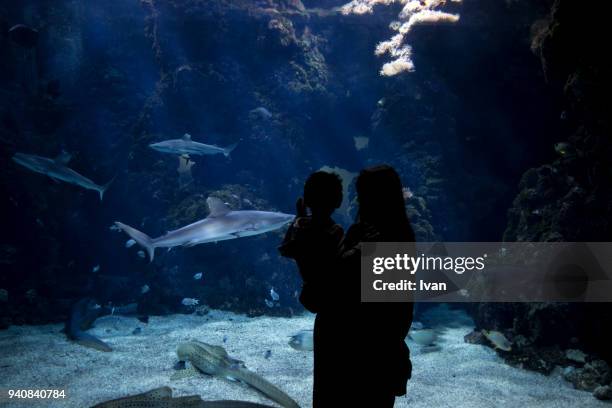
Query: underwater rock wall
(568,199)
(297,86)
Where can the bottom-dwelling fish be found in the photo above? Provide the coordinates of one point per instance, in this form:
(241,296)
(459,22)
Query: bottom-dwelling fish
(214,360)
(162,398)
(83,314)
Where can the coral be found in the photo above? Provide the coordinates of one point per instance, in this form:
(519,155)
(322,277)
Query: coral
(569,198)
(413,13)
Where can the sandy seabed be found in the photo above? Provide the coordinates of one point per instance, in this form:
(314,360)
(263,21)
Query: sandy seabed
(458,375)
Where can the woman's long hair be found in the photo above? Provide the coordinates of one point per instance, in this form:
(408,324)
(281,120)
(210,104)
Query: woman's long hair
(381,203)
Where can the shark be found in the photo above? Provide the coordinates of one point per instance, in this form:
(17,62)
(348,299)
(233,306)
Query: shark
(56,168)
(215,361)
(221,224)
(162,398)
(83,315)
(186,146)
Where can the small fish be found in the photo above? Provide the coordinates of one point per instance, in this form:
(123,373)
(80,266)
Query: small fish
(248,202)
(269,303)
(303,341)
(141,254)
(197,276)
(144,289)
(361,142)
(95,269)
(274,295)
(225,339)
(498,340)
(267,354)
(137,330)
(129,243)
(190,301)
(407,193)
(424,337)
(261,113)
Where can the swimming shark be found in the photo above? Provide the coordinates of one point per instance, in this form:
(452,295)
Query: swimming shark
(187,146)
(221,224)
(56,169)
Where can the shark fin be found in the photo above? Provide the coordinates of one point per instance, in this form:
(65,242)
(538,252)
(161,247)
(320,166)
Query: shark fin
(63,158)
(216,207)
(227,150)
(141,238)
(186,373)
(187,137)
(87,340)
(104,188)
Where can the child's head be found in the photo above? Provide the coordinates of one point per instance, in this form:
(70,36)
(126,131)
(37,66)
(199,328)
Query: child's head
(323,193)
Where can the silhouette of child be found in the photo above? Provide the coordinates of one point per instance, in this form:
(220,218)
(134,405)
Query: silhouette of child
(314,232)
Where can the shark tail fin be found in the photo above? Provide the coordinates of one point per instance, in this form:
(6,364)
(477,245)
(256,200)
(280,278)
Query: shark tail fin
(104,188)
(87,340)
(141,238)
(228,149)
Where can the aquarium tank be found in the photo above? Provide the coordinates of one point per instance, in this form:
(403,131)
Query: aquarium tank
(156,251)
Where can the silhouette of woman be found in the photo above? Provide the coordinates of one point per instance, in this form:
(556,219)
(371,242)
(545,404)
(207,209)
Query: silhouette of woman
(354,343)
(383,356)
